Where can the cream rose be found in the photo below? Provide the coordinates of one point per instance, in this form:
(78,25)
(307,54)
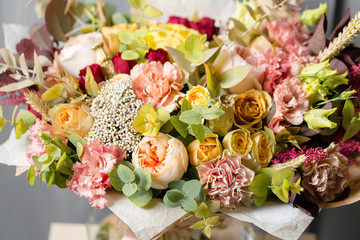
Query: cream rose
(238,141)
(202,152)
(164,157)
(251,107)
(262,149)
(110,35)
(78,53)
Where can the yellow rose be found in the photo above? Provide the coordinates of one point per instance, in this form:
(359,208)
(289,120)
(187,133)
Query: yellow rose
(262,149)
(197,96)
(170,35)
(238,141)
(251,107)
(71,118)
(202,152)
(111,39)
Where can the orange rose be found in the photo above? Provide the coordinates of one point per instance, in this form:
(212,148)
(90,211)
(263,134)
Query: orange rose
(71,118)
(202,152)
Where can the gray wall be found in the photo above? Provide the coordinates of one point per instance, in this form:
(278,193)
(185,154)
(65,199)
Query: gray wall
(26,212)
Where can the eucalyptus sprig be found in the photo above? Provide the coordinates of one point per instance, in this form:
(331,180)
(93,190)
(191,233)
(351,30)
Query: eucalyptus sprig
(145,10)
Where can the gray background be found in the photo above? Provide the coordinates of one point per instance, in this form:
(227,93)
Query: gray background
(26,212)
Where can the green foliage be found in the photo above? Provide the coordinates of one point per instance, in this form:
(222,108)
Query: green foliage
(55,166)
(133,44)
(193,49)
(318,118)
(149,121)
(135,183)
(23,120)
(279,181)
(287,136)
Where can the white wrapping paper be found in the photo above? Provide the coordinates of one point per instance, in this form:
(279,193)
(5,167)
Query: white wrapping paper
(13,33)
(13,151)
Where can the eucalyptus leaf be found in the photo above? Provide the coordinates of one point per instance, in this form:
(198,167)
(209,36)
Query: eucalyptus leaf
(175,195)
(140,198)
(198,225)
(259,201)
(126,174)
(169,203)
(213,113)
(192,188)
(151,11)
(31,175)
(259,185)
(115,180)
(190,117)
(198,131)
(126,36)
(348,113)
(234,75)
(180,126)
(137,4)
(202,211)
(143,179)
(75,138)
(353,129)
(185,105)
(177,185)
(188,203)
(129,55)
(129,189)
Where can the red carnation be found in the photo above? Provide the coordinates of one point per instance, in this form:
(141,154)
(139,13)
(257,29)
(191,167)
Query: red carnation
(179,20)
(121,65)
(96,72)
(159,55)
(205,26)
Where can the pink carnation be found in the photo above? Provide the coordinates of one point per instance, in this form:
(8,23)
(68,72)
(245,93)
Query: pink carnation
(36,148)
(227,180)
(158,84)
(91,175)
(291,103)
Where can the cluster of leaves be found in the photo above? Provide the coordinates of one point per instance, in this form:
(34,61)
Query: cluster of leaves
(23,76)
(191,197)
(285,137)
(134,182)
(54,166)
(133,45)
(193,49)
(350,121)
(190,120)
(149,121)
(145,10)
(280,182)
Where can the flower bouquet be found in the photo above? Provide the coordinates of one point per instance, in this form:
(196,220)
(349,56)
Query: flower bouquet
(253,114)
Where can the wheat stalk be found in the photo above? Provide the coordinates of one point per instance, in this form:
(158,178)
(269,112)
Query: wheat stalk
(37,104)
(342,40)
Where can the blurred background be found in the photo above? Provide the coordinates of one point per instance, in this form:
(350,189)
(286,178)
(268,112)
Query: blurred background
(26,212)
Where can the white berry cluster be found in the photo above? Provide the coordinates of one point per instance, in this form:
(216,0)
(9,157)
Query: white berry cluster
(114,110)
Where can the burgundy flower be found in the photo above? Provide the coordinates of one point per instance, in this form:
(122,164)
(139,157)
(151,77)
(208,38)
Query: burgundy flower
(96,72)
(121,65)
(179,20)
(159,55)
(205,26)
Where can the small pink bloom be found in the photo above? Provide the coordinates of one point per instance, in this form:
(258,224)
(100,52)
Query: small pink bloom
(227,180)
(91,175)
(36,148)
(291,103)
(158,84)
(158,55)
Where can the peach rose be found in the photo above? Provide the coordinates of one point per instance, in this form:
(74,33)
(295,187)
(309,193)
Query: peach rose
(71,118)
(251,107)
(158,84)
(202,152)
(164,157)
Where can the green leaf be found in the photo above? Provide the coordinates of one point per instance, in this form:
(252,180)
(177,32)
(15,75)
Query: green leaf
(213,205)
(202,211)
(270,134)
(201,197)
(47,163)
(115,180)
(151,11)
(198,226)
(91,86)
(212,82)
(137,4)
(192,188)
(3,121)
(198,131)
(279,176)
(129,55)
(188,203)
(43,158)
(186,105)
(79,149)
(212,221)
(177,185)
(207,231)
(139,19)
(213,113)
(126,36)
(353,129)
(167,127)
(20,128)
(318,118)
(180,59)
(140,45)
(142,179)
(141,33)
(169,203)
(61,160)
(66,167)
(118,18)
(126,174)
(128,164)
(53,151)
(193,48)
(129,189)
(45,137)
(53,92)
(140,198)
(180,126)
(175,195)
(280,194)
(51,180)
(200,109)
(31,175)
(348,113)
(74,138)
(259,185)
(163,116)
(190,117)
(234,75)
(259,201)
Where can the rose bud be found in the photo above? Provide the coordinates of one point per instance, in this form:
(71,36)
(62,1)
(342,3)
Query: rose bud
(202,152)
